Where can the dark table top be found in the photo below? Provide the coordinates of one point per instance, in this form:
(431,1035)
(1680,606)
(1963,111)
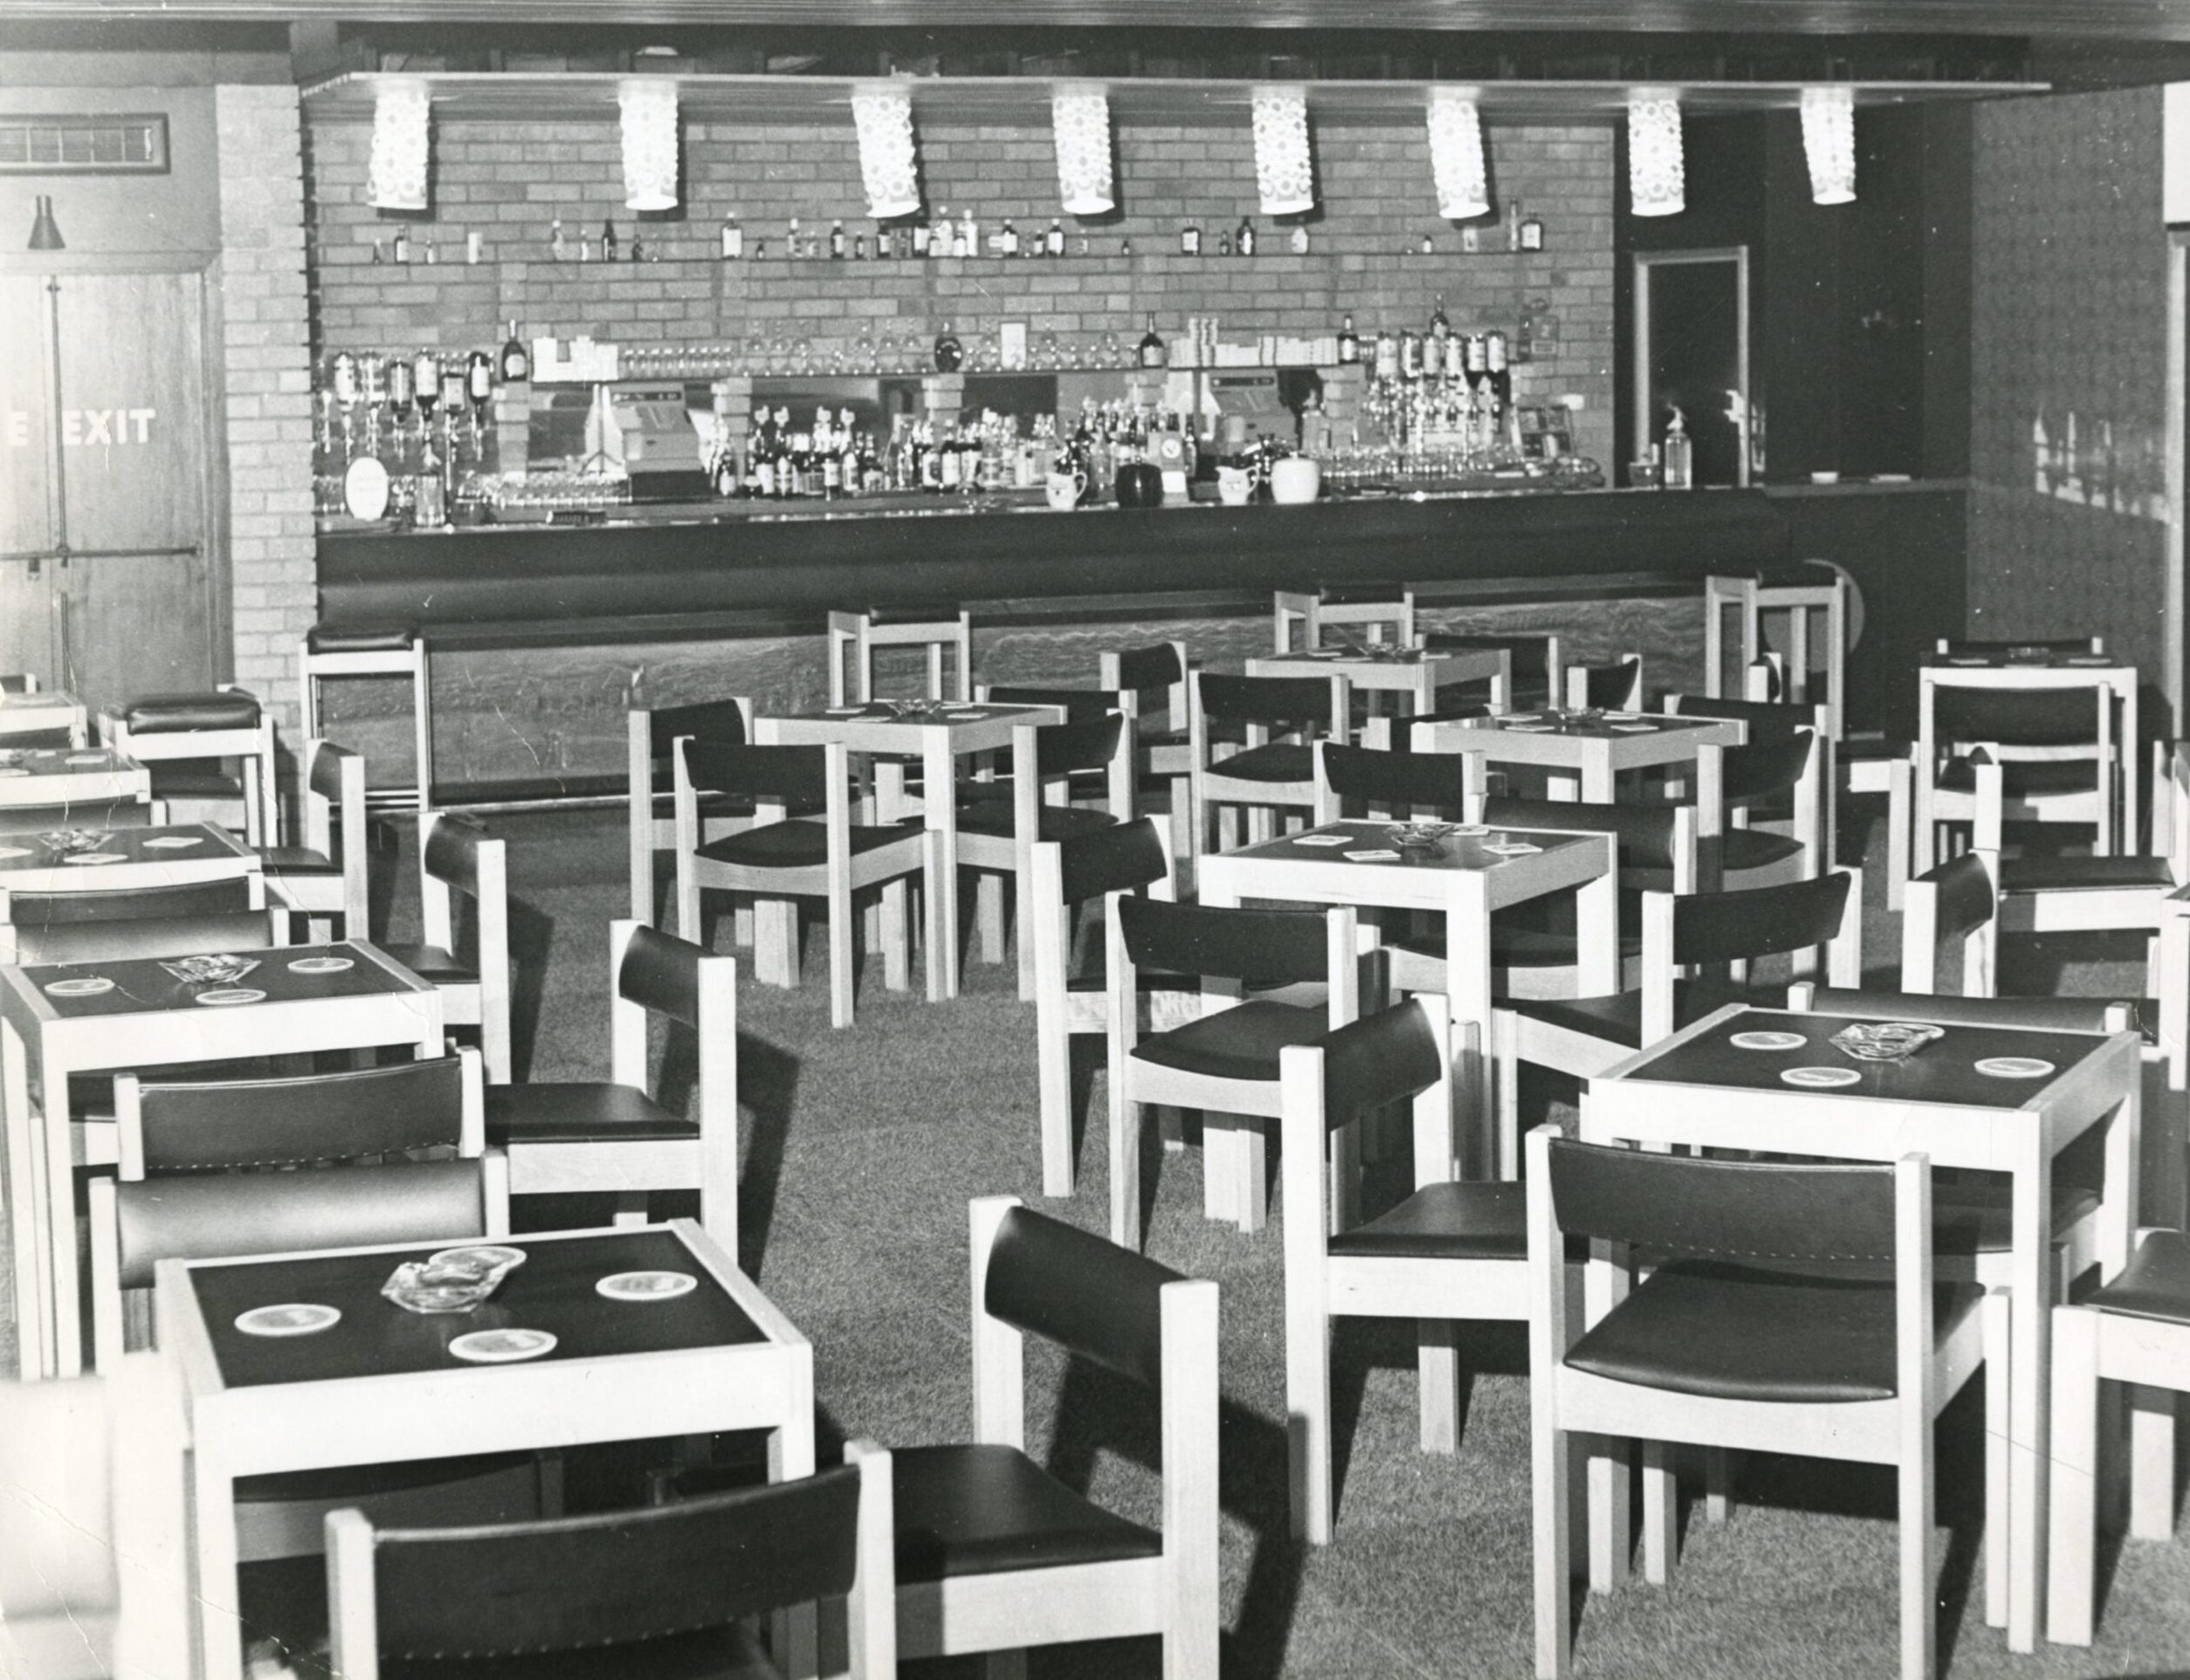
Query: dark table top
(1606,724)
(60,760)
(1942,1072)
(552,1291)
(1455,851)
(183,842)
(143,985)
(2035,658)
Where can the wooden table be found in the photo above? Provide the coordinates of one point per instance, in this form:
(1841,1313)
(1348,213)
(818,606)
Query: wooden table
(172,855)
(1462,879)
(1417,672)
(31,714)
(1697,1088)
(1588,748)
(68,775)
(938,736)
(380,1386)
(2102,670)
(149,1018)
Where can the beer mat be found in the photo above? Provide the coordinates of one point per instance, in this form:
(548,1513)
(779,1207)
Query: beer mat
(291,1319)
(1322,839)
(1382,855)
(1767,1041)
(501,1347)
(174,842)
(647,1286)
(1820,1078)
(2013,1067)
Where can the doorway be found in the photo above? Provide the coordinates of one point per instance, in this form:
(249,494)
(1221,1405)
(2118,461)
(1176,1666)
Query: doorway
(1692,355)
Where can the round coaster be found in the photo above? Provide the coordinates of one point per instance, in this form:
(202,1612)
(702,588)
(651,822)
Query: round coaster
(227,997)
(1510,848)
(1530,728)
(87,758)
(174,842)
(647,1286)
(293,1318)
(1767,1041)
(83,986)
(2013,1067)
(95,857)
(483,1255)
(321,964)
(1820,1078)
(501,1347)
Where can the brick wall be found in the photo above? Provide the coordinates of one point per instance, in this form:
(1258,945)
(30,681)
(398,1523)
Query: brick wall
(509,181)
(265,376)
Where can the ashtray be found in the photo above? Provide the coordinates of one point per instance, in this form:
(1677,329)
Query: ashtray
(67,841)
(1885,1040)
(1420,835)
(913,710)
(210,970)
(456,1280)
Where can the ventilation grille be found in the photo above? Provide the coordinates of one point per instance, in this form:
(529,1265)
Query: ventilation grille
(93,145)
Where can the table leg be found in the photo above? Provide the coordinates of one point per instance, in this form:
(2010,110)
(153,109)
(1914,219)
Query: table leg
(31,1292)
(939,765)
(1597,934)
(2031,1301)
(1468,998)
(1596,774)
(931,913)
(57,1240)
(220,1630)
(796,1632)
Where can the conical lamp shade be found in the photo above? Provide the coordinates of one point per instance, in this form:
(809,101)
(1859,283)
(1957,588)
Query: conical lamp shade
(45,232)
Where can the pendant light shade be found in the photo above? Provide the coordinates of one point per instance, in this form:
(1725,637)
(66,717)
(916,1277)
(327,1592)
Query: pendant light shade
(1284,173)
(1079,122)
(1456,156)
(396,177)
(45,232)
(889,161)
(1829,142)
(1656,182)
(649,109)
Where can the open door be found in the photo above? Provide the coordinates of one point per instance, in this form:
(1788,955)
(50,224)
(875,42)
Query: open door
(1691,352)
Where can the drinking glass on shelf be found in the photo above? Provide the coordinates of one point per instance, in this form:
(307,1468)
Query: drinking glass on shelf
(780,354)
(802,357)
(910,352)
(1113,350)
(863,354)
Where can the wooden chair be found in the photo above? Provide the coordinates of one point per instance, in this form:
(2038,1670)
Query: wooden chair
(940,627)
(1383,612)
(1778,774)
(784,858)
(1957,903)
(1613,687)
(2051,731)
(615,1136)
(1163,753)
(467,957)
(183,731)
(374,650)
(993,1554)
(327,875)
(47,927)
(1265,776)
(647,1590)
(2134,1330)
(650,740)
(1450,1250)
(999,826)
(1813,586)
(1536,662)
(1715,1349)
(1226,1063)
(1983,646)
(18,682)
(1072,1001)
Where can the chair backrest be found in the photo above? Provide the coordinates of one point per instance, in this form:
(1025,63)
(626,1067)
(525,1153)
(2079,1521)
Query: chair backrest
(614,1578)
(1764,718)
(1390,1057)
(1352,778)
(797,776)
(1160,664)
(154,936)
(1757,771)
(1649,836)
(1969,647)
(1617,686)
(2031,708)
(1081,744)
(724,720)
(83,814)
(1297,702)
(204,1125)
(227,897)
(1958,901)
(1531,656)
(453,850)
(1080,1291)
(335,822)
(1078,705)
(1270,946)
(1714,927)
(653,972)
(2043,1014)
(1119,859)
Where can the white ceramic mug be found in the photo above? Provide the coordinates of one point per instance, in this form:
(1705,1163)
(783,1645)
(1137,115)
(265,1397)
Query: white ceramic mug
(1296,479)
(1234,485)
(1065,489)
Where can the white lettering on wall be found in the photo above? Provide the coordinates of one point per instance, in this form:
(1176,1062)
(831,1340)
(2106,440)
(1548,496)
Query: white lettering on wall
(88,428)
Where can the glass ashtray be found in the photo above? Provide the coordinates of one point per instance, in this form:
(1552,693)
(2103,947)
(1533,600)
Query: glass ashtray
(211,969)
(1420,835)
(1885,1040)
(455,1281)
(68,842)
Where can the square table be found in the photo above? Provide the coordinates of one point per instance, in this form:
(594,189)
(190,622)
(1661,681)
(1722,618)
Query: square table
(1460,876)
(67,776)
(1417,672)
(171,855)
(1594,746)
(1699,1088)
(31,714)
(381,1387)
(2103,669)
(149,1018)
(938,736)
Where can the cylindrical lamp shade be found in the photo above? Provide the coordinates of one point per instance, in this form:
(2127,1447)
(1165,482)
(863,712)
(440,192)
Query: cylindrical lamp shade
(1657,181)
(1828,142)
(396,176)
(649,143)
(1456,156)
(1284,172)
(889,164)
(1079,122)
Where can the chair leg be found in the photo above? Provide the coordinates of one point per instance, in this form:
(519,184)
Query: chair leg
(1250,1160)
(1506,1076)
(897,935)
(988,916)
(2152,1461)
(1719,1464)
(1219,1166)
(1308,1411)
(1125,1166)
(1999,1417)
(843,957)
(1437,1365)
(1552,1543)
(1022,929)
(1919,1610)
(776,941)
(2073,1530)
(1661,1512)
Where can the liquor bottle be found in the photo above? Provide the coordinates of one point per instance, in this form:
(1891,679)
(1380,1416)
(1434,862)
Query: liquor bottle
(1243,245)
(886,244)
(425,377)
(1224,244)
(1125,247)
(793,247)
(1429,246)
(639,247)
(608,242)
(836,241)
(1531,233)
(479,378)
(555,246)
(1433,355)
(1409,353)
(950,354)
(379,254)
(1299,238)
(1152,350)
(1053,242)
(1190,240)
(733,239)
(1387,354)
(1512,224)
(1439,327)
(921,236)
(431,257)
(859,247)
(403,244)
(1349,343)
(517,360)
(1011,240)
(969,237)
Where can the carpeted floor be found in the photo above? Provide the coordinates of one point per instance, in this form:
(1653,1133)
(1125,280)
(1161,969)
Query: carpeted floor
(861,1148)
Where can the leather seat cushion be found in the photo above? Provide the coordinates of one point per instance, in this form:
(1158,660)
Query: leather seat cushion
(364,1481)
(580,1113)
(194,779)
(1520,947)
(1869,749)
(2156,1282)
(1447,1222)
(166,714)
(2085,874)
(2020,777)
(360,638)
(1756,849)
(1731,1332)
(297,860)
(710,804)
(993,817)
(977,1510)
(799,843)
(1241,1043)
(710,1654)
(1972,1216)
(1618,1019)
(431,962)
(1279,761)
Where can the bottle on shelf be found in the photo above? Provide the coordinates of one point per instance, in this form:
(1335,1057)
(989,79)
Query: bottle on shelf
(431,257)
(1053,242)
(517,360)
(859,247)
(1243,243)
(1152,350)
(1433,355)
(1299,238)
(1439,327)
(608,242)
(1224,243)
(969,237)
(1387,354)
(1190,240)
(1011,240)
(479,378)
(1349,343)
(793,247)
(1409,353)
(403,244)
(1512,224)
(836,241)
(1680,460)
(1125,247)
(950,354)
(733,239)
(555,246)
(1429,244)
(922,237)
